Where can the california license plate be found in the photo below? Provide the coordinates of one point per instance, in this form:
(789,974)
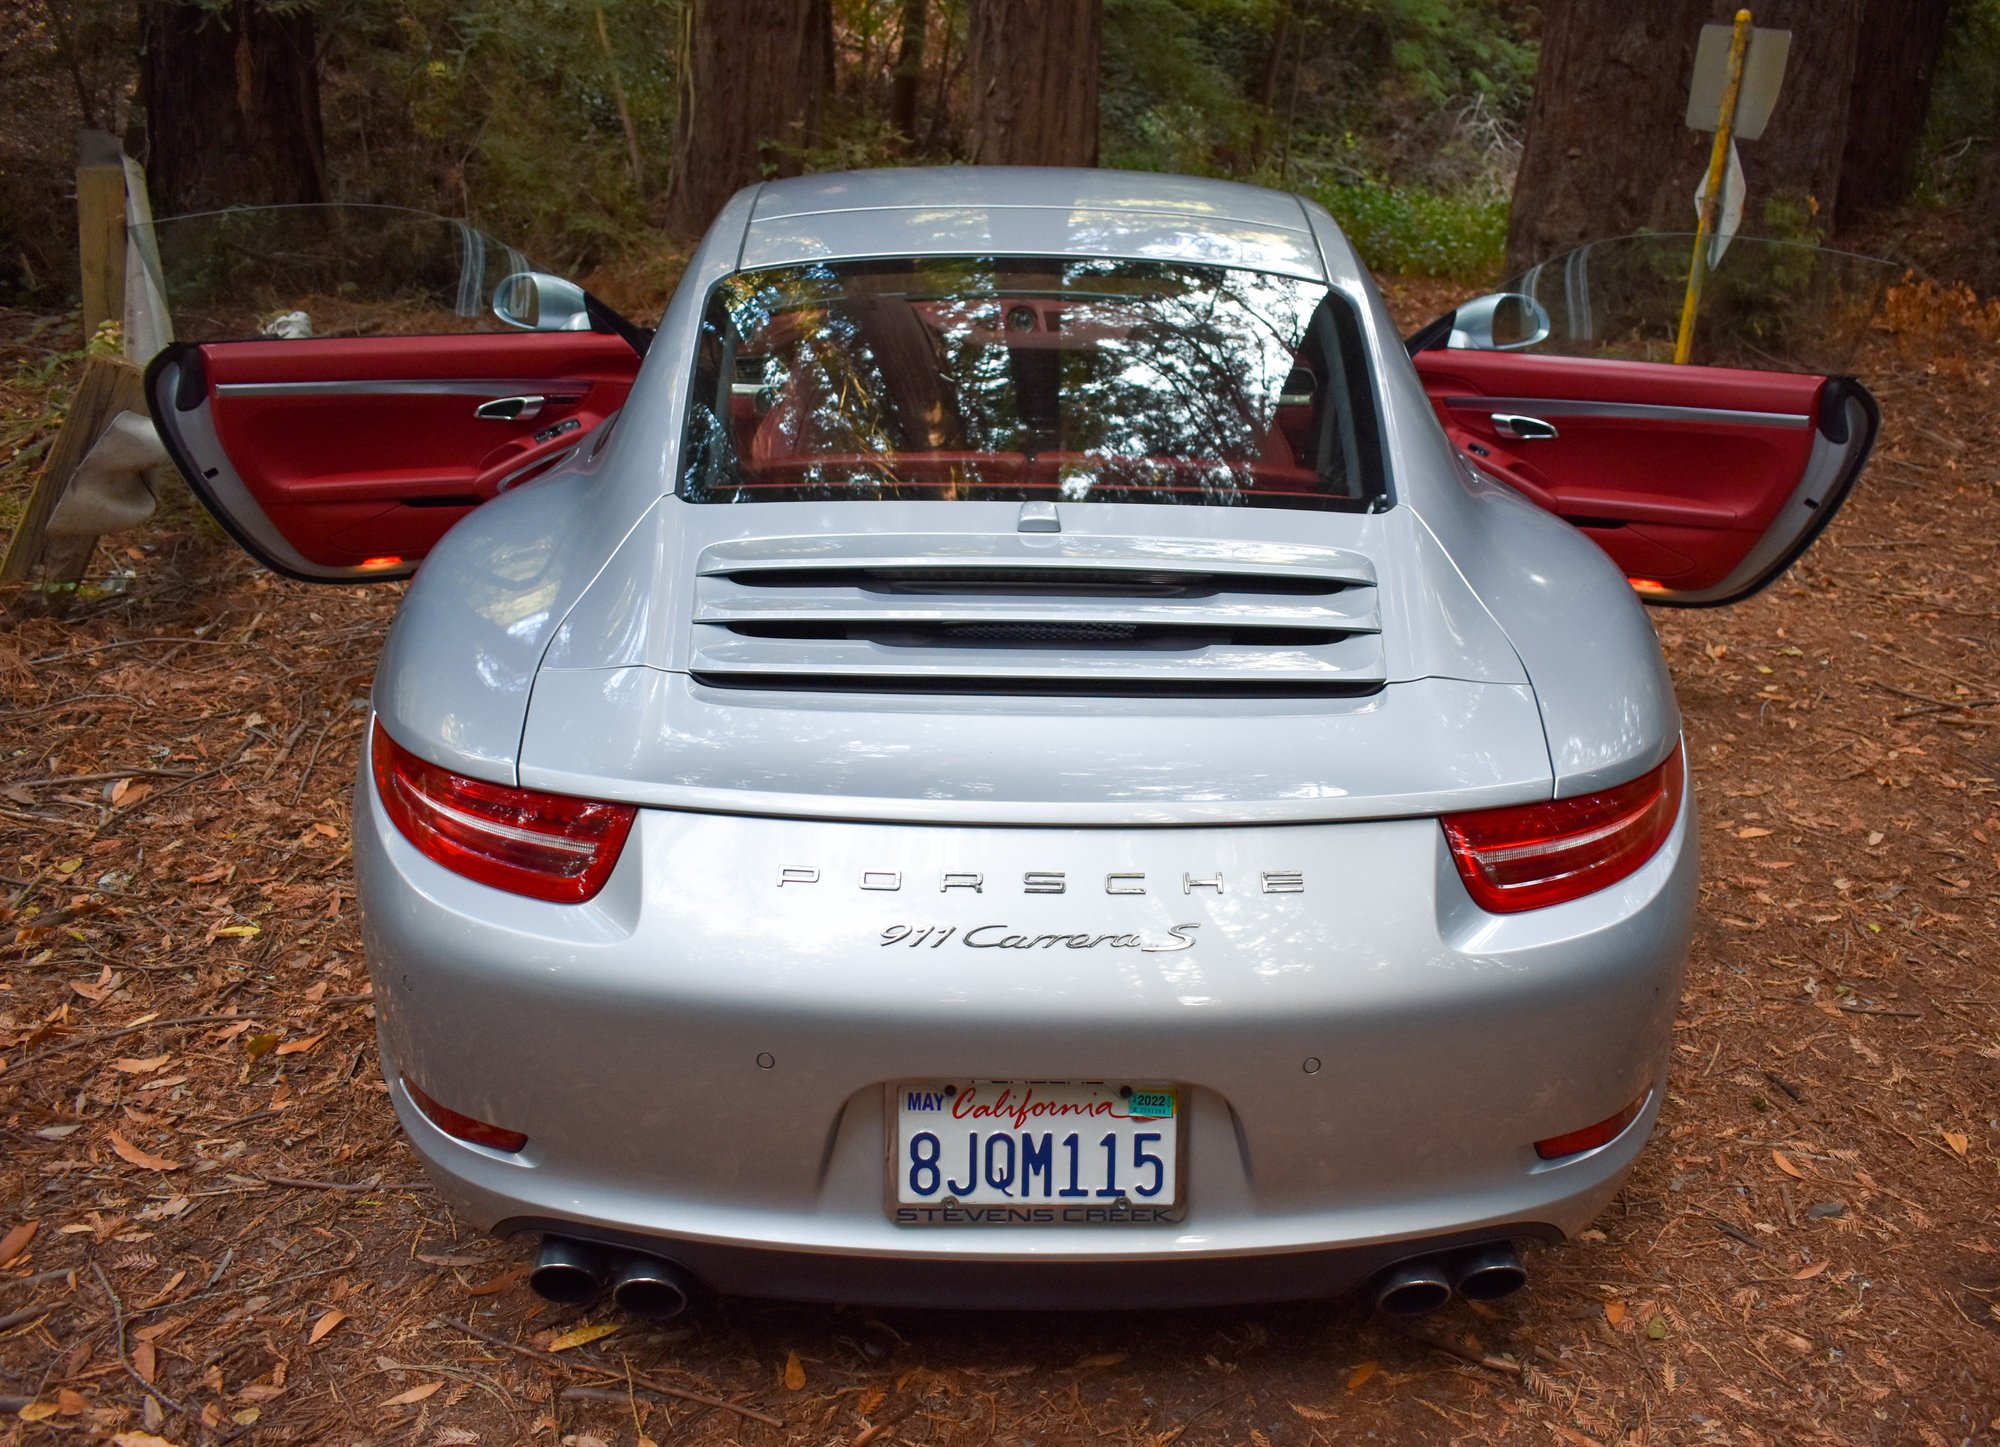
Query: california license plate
(1026,1153)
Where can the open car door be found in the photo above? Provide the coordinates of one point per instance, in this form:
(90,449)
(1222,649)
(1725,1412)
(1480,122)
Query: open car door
(336,458)
(1704,483)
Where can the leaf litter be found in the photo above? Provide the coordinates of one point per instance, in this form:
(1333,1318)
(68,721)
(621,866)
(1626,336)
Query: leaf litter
(1812,1220)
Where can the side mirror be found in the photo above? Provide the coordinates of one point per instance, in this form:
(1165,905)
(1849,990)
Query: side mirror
(1505,321)
(534,301)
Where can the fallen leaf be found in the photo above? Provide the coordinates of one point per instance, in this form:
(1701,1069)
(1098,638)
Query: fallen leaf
(16,1241)
(71,1403)
(140,1439)
(499,1283)
(37,1412)
(1957,1140)
(1614,1312)
(261,1045)
(138,1157)
(245,1417)
(299,1047)
(413,1396)
(579,1336)
(325,1324)
(1657,1328)
(1809,1272)
(129,1066)
(237,931)
(1785,1165)
(1360,1375)
(1753,832)
(1102,1359)
(451,1260)
(128,791)
(146,1359)
(795,1373)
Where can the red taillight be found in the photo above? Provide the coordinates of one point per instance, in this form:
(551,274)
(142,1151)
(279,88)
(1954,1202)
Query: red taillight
(463,1127)
(546,846)
(1540,854)
(1575,1142)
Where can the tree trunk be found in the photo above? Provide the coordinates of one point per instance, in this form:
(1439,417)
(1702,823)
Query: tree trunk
(1607,148)
(909,76)
(751,93)
(1889,101)
(1034,72)
(232,105)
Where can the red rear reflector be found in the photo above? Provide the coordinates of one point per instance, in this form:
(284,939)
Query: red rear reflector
(463,1127)
(389,562)
(1591,1136)
(546,846)
(1647,585)
(1533,855)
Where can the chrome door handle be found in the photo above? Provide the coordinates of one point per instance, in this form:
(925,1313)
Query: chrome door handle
(510,409)
(1525,429)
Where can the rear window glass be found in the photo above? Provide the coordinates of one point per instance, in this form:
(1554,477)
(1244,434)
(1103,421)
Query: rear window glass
(1060,379)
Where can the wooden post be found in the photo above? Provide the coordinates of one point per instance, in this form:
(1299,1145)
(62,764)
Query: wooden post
(110,385)
(100,227)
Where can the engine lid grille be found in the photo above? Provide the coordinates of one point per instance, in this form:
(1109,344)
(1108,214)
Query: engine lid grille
(1001,614)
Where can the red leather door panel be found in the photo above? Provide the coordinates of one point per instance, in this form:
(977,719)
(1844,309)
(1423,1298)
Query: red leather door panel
(349,457)
(1686,476)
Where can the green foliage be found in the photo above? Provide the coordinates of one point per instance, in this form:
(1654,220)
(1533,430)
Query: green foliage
(505,111)
(1964,121)
(1418,232)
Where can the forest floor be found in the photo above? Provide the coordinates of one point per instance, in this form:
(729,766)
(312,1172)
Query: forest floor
(211,1229)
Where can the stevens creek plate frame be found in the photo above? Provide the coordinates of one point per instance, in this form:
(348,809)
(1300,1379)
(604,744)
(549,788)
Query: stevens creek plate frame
(1091,1213)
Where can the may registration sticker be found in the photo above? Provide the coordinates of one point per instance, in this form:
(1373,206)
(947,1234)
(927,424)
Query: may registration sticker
(1034,1153)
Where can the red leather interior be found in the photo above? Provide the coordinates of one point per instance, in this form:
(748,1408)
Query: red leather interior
(352,475)
(1679,500)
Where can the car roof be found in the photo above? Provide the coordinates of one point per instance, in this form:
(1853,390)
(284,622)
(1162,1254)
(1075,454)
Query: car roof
(1028,210)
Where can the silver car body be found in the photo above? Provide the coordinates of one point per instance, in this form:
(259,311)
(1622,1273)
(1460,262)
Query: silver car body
(831,893)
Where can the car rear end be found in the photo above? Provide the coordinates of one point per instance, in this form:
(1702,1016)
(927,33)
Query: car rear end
(1009,865)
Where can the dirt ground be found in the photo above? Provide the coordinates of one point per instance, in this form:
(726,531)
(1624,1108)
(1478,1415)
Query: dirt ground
(210,1229)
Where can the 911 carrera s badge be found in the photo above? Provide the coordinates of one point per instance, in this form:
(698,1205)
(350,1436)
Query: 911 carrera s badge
(1001,937)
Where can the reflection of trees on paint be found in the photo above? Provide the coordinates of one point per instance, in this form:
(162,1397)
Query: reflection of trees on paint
(1084,380)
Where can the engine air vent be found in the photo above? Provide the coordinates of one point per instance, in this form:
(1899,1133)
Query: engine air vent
(1003,615)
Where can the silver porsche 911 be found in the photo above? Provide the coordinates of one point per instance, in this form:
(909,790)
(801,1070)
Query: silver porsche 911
(1024,748)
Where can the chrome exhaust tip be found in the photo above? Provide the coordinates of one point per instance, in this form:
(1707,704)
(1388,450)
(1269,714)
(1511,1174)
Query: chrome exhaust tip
(1413,1288)
(568,1272)
(1487,1273)
(653,1288)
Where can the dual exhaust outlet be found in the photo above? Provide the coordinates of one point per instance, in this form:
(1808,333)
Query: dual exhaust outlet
(569,1272)
(1477,1273)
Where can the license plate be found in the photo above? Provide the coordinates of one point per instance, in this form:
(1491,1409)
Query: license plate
(1000,1152)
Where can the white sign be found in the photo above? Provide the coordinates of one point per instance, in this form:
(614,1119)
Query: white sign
(1731,214)
(1763,72)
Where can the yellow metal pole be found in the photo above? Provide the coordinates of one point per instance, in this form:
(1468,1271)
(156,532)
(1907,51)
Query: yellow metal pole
(1711,196)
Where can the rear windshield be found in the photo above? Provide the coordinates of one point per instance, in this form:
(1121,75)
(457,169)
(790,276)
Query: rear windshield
(1061,379)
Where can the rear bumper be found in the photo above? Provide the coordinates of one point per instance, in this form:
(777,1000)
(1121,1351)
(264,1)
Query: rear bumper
(699,1056)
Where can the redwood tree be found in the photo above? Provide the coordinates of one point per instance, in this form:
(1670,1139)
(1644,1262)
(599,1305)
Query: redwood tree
(752,86)
(1889,100)
(1033,70)
(1607,150)
(231,96)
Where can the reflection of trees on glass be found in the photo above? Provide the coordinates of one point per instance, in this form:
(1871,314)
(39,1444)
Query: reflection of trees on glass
(1016,378)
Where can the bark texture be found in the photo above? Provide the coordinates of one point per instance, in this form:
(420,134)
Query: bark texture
(1607,150)
(909,76)
(232,105)
(752,88)
(1889,100)
(1033,70)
